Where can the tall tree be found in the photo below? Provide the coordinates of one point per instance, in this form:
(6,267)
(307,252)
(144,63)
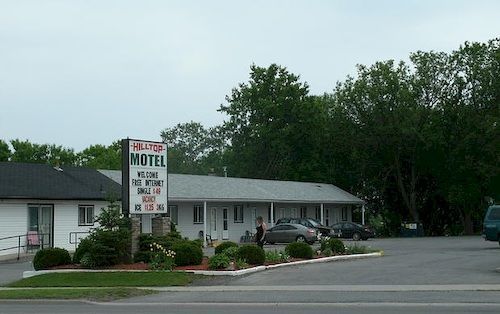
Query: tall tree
(101,156)
(274,126)
(194,149)
(24,151)
(4,151)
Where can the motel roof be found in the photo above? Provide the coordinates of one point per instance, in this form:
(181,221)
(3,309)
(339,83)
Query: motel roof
(44,182)
(184,187)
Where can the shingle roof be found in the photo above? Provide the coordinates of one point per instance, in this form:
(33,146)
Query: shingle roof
(40,181)
(183,187)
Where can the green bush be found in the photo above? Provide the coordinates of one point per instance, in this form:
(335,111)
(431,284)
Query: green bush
(51,257)
(83,247)
(231,252)
(109,247)
(219,261)
(273,256)
(299,250)
(252,254)
(187,253)
(336,245)
(143,256)
(224,245)
(109,243)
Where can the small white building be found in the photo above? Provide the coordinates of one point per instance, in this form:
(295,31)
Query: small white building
(44,206)
(40,204)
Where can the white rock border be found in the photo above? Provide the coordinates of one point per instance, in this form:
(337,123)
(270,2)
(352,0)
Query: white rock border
(32,273)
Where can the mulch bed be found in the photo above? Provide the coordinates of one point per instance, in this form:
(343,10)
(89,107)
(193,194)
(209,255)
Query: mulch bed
(145,266)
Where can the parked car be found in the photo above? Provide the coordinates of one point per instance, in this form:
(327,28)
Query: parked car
(353,230)
(491,224)
(310,223)
(285,233)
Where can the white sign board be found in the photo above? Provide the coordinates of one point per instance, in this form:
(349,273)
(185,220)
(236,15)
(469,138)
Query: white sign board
(147,169)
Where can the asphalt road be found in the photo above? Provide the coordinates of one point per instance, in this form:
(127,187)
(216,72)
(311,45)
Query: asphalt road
(243,308)
(433,275)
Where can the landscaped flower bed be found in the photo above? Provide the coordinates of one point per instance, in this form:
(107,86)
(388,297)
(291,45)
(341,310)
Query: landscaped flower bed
(230,256)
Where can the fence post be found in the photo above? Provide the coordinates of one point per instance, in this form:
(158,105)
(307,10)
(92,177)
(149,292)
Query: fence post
(18,247)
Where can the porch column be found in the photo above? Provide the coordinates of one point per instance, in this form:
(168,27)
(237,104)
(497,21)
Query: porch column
(204,224)
(272,214)
(322,214)
(363,214)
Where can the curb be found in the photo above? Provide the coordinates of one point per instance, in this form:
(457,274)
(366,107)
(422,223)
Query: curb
(32,273)
(261,268)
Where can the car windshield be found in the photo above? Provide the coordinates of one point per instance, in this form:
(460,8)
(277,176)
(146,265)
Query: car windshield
(494,213)
(358,225)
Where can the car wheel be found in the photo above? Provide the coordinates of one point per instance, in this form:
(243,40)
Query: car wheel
(356,236)
(300,239)
(364,239)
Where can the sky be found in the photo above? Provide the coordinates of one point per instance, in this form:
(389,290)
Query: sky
(83,72)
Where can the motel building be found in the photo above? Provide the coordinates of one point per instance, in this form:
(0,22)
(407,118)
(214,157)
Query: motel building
(45,206)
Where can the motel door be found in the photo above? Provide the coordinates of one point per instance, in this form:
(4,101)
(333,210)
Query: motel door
(213,223)
(40,219)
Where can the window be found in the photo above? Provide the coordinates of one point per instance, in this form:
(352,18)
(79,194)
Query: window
(86,215)
(303,212)
(198,214)
(172,212)
(317,210)
(238,213)
(344,213)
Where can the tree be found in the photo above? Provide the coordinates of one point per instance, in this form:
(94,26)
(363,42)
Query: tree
(4,151)
(274,126)
(24,151)
(101,156)
(194,149)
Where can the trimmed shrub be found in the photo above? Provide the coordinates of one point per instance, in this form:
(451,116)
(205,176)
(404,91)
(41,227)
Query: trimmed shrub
(187,253)
(336,245)
(219,261)
(224,245)
(299,250)
(231,252)
(252,254)
(143,256)
(83,247)
(51,257)
(109,247)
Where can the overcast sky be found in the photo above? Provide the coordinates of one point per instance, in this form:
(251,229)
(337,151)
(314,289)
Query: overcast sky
(77,73)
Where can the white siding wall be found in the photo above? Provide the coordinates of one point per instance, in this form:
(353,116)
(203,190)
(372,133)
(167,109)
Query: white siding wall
(66,221)
(13,222)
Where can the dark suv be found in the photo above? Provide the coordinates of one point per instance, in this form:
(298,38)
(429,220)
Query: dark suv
(308,222)
(491,225)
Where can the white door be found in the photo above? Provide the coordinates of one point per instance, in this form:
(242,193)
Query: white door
(225,226)
(253,222)
(213,223)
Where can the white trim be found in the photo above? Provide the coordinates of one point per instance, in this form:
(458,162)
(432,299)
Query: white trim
(205,224)
(322,209)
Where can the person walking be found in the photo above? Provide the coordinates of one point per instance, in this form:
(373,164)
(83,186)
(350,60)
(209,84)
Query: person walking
(261,232)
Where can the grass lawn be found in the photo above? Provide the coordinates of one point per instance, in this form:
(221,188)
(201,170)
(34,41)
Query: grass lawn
(101,294)
(107,279)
